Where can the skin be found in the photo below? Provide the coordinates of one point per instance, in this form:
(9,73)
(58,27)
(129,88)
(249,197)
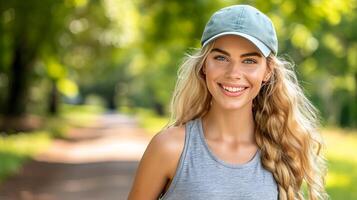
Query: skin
(228,126)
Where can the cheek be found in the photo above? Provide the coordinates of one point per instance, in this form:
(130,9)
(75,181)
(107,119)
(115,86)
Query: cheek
(255,80)
(211,77)
(255,77)
(212,71)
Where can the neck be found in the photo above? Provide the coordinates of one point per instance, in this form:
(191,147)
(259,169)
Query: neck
(230,125)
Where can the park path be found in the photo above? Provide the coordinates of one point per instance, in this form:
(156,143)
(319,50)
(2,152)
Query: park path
(97,162)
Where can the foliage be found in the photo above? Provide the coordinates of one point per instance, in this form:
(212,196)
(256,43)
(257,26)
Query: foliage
(310,33)
(16,149)
(128,51)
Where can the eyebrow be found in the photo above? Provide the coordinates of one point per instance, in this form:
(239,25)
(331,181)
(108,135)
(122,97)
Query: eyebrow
(243,55)
(221,51)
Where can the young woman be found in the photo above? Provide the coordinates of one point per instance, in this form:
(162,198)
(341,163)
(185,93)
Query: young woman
(241,126)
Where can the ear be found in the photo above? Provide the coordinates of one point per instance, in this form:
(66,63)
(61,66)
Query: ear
(204,69)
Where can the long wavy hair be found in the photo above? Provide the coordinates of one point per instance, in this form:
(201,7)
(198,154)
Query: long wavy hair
(286,124)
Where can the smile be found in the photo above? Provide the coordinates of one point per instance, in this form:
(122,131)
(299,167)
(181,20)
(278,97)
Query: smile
(232,90)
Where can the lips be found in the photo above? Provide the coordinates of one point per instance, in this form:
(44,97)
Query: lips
(232,90)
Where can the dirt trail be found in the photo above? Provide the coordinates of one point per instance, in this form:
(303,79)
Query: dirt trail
(94,163)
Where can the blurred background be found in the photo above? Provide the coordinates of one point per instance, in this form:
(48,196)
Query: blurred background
(75,72)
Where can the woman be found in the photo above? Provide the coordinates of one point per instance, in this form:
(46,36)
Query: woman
(241,127)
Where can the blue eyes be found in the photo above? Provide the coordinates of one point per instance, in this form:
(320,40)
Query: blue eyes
(220,58)
(245,61)
(249,61)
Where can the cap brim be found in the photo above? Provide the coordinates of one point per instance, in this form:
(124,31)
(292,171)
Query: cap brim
(261,46)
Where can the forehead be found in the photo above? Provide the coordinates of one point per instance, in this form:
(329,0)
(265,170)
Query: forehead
(234,43)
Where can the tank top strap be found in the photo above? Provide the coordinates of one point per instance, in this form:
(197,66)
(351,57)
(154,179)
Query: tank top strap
(188,136)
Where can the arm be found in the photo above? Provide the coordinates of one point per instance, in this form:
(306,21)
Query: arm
(158,164)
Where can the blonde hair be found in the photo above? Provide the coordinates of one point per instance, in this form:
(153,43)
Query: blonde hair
(286,123)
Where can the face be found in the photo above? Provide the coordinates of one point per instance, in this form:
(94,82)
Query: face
(235,70)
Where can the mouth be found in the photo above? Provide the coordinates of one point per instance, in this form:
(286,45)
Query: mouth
(233,91)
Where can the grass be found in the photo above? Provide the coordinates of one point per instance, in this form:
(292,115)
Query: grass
(147,119)
(341,146)
(16,149)
(80,115)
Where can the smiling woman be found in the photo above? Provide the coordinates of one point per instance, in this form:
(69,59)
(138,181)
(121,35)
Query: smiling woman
(241,126)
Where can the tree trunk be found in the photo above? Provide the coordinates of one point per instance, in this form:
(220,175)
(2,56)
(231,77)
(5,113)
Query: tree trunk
(19,73)
(53,99)
(15,118)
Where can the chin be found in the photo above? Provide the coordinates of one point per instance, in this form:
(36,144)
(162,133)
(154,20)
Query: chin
(233,105)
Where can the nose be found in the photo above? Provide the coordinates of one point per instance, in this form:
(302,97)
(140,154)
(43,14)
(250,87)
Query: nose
(234,71)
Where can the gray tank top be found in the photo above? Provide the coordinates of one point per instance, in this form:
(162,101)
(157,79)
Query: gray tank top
(200,175)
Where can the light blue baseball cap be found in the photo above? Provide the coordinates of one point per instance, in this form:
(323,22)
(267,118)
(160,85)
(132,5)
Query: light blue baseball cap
(245,21)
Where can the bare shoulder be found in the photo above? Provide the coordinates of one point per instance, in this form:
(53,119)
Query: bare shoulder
(170,143)
(166,146)
(171,139)
(158,163)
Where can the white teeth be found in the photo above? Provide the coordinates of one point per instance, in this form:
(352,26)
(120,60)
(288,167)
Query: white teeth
(233,89)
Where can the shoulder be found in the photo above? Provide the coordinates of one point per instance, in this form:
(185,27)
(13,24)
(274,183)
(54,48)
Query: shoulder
(168,142)
(168,145)
(158,163)
(170,138)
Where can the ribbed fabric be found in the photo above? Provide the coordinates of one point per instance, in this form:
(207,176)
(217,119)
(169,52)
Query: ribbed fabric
(201,175)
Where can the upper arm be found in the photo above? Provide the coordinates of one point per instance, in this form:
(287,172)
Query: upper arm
(157,164)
